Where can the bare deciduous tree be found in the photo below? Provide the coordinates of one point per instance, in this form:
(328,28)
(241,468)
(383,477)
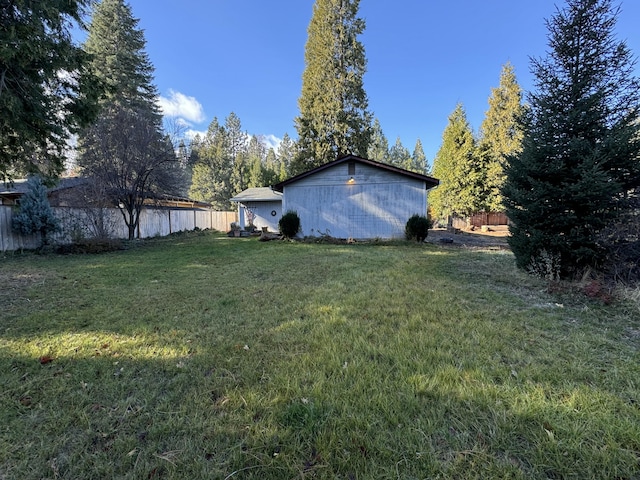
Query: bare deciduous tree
(126,153)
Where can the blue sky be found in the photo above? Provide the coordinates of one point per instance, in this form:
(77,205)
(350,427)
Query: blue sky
(214,57)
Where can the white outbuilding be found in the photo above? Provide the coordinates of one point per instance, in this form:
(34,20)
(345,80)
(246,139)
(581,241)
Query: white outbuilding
(357,198)
(260,207)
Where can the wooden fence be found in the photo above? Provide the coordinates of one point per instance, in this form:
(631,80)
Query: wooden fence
(479,219)
(489,218)
(153,222)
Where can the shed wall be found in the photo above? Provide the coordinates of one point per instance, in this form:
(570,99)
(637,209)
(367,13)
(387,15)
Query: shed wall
(262,214)
(376,204)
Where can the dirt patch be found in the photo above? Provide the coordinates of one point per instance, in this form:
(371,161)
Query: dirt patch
(493,239)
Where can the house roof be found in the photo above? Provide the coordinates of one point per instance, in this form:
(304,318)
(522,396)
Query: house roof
(21,186)
(429,181)
(260,194)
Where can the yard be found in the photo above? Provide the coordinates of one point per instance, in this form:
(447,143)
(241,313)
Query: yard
(202,356)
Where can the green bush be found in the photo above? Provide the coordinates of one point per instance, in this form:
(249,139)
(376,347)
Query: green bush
(417,228)
(35,215)
(289,224)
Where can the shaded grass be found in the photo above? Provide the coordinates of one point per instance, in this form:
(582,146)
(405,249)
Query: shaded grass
(200,356)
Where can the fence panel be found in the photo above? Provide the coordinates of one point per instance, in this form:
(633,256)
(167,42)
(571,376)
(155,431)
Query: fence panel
(153,223)
(81,222)
(489,218)
(10,240)
(182,220)
(221,221)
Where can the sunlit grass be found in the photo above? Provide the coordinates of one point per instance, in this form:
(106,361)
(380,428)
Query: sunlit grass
(200,356)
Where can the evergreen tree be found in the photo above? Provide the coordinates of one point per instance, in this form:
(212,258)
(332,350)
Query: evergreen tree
(237,140)
(212,167)
(256,173)
(334,120)
(501,135)
(419,159)
(580,155)
(240,172)
(456,166)
(35,215)
(286,154)
(399,156)
(40,107)
(379,146)
(117,47)
(256,166)
(237,150)
(271,173)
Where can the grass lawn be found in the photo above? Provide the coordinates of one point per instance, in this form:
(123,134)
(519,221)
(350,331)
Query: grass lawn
(200,356)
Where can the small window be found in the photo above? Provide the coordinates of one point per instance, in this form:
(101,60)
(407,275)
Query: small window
(352,168)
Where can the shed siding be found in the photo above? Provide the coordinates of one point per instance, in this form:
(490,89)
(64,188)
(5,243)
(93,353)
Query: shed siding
(262,214)
(376,205)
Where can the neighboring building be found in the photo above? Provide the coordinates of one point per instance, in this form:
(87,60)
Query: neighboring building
(357,198)
(10,193)
(260,207)
(78,192)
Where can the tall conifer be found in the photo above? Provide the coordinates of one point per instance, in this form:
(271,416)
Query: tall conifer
(456,166)
(286,154)
(500,135)
(399,156)
(419,159)
(119,58)
(379,146)
(212,168)
(334,119)
(580,158)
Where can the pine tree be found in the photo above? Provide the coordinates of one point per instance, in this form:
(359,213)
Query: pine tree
(271,173)
(212,167)
(419,159)
(580,156)
(237,145)
(256,167)
(40,107)
(399,156)
(457,167)
(334,119)
(117,46)
(286,154)
(256,173)
(500,135)
(379,145)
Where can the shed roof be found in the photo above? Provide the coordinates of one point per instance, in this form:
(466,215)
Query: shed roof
(259,194)
(430,182)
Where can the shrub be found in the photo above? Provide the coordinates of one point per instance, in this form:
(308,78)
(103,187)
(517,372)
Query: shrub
(35,215)
(289,224)
(417,228)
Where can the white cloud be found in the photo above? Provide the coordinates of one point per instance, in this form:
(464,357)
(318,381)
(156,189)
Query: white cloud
(190,134)
(272,141)
(179,105)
